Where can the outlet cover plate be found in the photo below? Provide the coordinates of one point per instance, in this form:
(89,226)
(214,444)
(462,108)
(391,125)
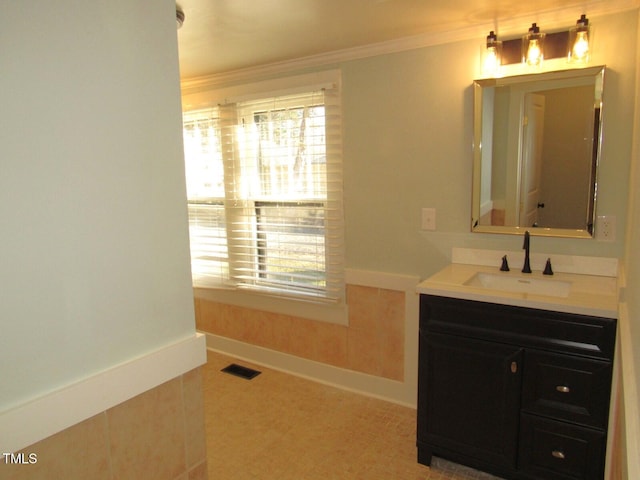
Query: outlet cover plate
(606,228)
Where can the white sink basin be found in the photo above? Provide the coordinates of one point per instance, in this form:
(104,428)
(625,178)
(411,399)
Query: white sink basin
(520,284)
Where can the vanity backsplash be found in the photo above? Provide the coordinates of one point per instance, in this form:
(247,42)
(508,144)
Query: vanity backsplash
(600,266)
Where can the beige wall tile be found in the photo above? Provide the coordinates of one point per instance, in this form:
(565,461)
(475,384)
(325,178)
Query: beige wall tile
(199,472)
(147,435)
(363,306)
(364,351)
(196,449)
(304,338)
(392,357)
(282,332)
(234,319)
(332,344)
(372,343)
(258,328)
(391,308)
(79,452)
(159,434)
(391,325)
(207,315)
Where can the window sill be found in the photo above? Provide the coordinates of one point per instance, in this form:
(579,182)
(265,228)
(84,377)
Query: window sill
(331,313)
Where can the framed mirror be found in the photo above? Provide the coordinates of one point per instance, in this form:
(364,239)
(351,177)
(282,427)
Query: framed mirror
(537,142)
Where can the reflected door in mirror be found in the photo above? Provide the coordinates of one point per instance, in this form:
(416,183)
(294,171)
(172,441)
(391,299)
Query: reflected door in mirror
(536,149)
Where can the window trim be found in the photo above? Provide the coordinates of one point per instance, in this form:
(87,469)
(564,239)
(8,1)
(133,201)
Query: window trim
(316,308)
(207,97)
(297,307)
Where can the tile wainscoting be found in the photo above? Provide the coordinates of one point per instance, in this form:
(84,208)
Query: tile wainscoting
(158,434)
(379,344)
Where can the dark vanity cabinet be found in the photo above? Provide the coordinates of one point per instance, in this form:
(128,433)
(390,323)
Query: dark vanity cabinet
(518,392)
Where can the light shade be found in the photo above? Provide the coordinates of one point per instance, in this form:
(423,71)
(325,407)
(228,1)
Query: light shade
(493,56)
(579,47)
(533,47)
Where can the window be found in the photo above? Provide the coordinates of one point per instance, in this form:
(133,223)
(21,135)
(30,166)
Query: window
(264,189)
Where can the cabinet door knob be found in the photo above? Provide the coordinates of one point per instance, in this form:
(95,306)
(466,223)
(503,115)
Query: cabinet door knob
(558,454)
(514,367)
(563,389)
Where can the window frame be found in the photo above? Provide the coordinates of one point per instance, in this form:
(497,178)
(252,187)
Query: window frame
(306,306)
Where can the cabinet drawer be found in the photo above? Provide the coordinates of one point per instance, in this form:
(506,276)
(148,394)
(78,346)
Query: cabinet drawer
(559,451)
(539,329)
(567,388)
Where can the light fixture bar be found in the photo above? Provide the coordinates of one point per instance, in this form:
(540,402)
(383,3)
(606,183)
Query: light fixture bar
(555,46)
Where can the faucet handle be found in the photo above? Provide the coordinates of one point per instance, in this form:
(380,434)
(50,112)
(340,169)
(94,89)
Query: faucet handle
(547,268)
(505,265)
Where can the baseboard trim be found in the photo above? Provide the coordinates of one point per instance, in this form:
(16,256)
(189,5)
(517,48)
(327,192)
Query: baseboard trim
(389,390)
(42,417)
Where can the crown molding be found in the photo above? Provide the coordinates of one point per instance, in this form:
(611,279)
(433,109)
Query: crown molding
(558,18)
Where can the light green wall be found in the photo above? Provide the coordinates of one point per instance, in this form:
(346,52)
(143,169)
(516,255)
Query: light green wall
(408,145)
(407,120)
(94,252)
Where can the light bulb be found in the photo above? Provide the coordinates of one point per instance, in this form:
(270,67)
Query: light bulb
(581,47)
(533,47)
(493,58)
(534,53)
(491,61)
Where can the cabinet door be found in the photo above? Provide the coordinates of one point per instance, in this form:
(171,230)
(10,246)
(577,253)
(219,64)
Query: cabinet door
(469,397)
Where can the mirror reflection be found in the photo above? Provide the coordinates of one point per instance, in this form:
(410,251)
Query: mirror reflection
(536,152)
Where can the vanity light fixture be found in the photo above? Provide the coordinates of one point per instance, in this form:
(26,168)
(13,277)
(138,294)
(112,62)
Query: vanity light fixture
(579,41)
(533,46)
(493,58)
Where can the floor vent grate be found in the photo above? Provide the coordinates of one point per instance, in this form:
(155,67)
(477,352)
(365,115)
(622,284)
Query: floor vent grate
(240,371)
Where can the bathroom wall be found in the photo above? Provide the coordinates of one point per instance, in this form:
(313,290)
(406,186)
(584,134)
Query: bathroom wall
(95,276)
(407,144)
(407,120)
(408,133)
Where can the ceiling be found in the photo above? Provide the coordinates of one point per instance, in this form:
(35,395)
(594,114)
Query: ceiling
(222,36)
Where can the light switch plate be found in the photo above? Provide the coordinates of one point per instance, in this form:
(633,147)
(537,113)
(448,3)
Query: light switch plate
(428,218)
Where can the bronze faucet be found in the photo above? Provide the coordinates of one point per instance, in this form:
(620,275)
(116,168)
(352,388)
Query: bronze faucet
(526,268)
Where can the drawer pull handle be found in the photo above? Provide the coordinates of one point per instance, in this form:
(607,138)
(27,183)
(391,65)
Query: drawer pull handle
(563,389)
(514,367)
(558,454)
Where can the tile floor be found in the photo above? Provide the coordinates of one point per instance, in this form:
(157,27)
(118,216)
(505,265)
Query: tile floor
(283,427)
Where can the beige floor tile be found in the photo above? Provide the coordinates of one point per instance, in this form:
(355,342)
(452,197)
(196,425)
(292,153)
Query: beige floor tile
(279,426)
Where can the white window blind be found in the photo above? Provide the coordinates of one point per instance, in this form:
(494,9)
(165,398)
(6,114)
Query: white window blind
(264,187)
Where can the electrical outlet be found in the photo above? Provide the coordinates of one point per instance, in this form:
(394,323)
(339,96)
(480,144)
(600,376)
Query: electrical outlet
(428,219)
(606,228)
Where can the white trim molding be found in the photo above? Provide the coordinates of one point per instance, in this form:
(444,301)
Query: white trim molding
(42,417)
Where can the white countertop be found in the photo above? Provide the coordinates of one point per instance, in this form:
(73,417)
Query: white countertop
(588,295)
